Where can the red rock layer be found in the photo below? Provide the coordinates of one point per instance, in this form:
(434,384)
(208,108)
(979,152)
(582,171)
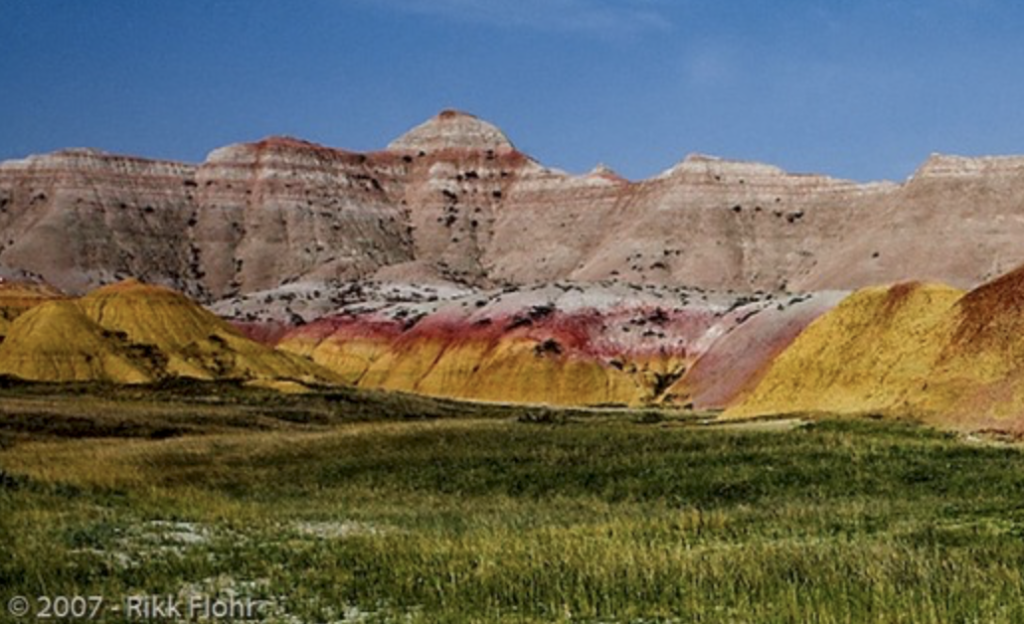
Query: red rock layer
(567,345)
(928,352)
(734,364)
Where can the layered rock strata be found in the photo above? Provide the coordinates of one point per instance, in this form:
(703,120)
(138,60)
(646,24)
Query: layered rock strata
(562,344)
(454,201)
(910,350)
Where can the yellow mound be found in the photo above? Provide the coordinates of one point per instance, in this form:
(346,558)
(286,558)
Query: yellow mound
(152,315)
(982,367)
(349,359)
(55,341)
(514,371)
(134,333)
(402,367)
(875,352)
(510,370)
(197,343)
(16,298)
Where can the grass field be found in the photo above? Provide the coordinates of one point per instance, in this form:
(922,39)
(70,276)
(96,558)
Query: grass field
(370,507)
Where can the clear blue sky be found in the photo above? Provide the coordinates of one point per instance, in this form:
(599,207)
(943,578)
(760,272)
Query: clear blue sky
(863,89)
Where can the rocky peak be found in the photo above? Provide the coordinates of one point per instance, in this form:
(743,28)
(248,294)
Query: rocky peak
(606,173)
(290,147)
(949,166)
(81,160)
(702,164)
(453,130)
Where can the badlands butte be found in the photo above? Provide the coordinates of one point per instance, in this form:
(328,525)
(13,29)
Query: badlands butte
(451,264)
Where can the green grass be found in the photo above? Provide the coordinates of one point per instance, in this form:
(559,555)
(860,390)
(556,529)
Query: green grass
(491,514)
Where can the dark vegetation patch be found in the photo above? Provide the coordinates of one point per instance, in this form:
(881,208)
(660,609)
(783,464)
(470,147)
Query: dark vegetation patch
(178,407)
(548,347)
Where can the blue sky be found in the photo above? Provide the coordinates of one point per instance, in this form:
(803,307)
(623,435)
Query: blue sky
(862,89)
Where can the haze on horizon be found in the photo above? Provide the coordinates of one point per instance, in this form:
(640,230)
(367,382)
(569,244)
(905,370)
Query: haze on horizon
(862,90)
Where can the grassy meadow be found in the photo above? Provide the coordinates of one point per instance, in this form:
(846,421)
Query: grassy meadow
(353,506)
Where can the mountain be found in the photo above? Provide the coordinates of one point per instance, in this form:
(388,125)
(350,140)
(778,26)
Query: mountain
(450,263)
(454,202)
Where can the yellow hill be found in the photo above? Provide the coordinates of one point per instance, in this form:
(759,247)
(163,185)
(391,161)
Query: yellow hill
(515,371)
(982,368)
(505,368)
(874,353)
(519,370)
(55,341)
(350,359)
(196,342)
(136,333)
(16,298)
(152,315)
(988,339)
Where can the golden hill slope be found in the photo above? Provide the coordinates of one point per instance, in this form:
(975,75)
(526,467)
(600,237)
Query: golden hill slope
(56,341)
(16,298)
(876,352)
(139,333)
(930,352)
(982,368)
(152,314)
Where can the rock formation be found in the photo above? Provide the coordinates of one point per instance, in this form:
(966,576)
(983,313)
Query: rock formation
(454,201)
(81,218)
(57,342)
(135,333)
(562,344)
(736,361)
(16,298)
(871,354)
(910,350)
(450,263)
